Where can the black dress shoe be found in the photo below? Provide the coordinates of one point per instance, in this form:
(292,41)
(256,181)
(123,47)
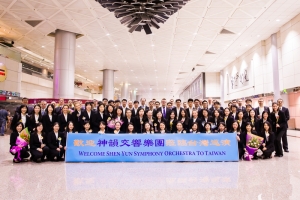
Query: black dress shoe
(280,156)
(286,150)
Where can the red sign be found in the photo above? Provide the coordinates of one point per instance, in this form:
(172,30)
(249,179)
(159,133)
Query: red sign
(35,101)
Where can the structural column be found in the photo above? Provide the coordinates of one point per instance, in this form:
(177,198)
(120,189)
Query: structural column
(108,84)
(64,64)
(124,91)
(222,88)
(133,95)
(274,54)
(138,97)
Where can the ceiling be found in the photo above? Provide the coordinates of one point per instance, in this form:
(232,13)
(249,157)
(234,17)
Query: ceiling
(156,65)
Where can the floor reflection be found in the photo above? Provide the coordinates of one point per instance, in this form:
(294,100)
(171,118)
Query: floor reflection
(151,175)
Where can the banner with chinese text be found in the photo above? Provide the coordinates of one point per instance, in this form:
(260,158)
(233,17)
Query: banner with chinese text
(151,147)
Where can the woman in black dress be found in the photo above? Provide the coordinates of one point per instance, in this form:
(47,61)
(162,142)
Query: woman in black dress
(38,147)
(22,117)
(184,119)
(35,118)
(48,119)
(268,146)
(241,138)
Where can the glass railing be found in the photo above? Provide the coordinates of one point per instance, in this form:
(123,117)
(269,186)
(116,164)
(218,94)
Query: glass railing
(9,53)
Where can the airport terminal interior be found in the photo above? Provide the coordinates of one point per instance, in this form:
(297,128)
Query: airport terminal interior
(150,99)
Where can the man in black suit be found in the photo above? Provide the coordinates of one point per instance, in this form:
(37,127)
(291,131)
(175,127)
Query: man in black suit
(287,116)
(76,116)
(247,112)
(164,110)
(240,105)
(143,104)
(25,102)
(190,108)
(261,108)
(177,109)
(124,107)
(217,106)
(135,109)
(151,108)
(59,108)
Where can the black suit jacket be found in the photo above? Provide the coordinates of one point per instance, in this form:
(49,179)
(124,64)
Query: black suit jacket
(139,128)
(266,108)
(96,119)
(281,121)
(58,110)
(53,143)
(168,111)
(146,107)
(76,119)
(242,109)
(125,124)
(270,143)
(35,142)
(287,115)
(85,117)
(158,124)
(62,121)
(188,112)
(33,123)
(133,112)
(16,119)
(47,124)
(175,111)
(172,128)
(198,121)
(228,123)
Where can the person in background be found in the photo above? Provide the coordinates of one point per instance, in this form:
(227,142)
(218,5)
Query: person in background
(261,108)
(157,105)
(3,118)
(71,105)
(185,105)
(228,120)
(287,116)
(234,111)
(143,104)
(76,116)
(38,147)
(55,143)
(17,128)
(124,107)
(58,109)
(105,102)
(43,107)
(240,105)
(29,108)
(197,105)
(190,108)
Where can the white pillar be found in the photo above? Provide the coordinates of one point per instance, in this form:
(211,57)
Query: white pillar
(138,97)
(222,88)
(64,64)
(274,54)
(124,91)
(133,95)
(108,84)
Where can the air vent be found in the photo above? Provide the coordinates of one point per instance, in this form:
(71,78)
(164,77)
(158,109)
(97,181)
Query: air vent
(208,52)
(199,65)
(225,31)
(33,23)
(182,72)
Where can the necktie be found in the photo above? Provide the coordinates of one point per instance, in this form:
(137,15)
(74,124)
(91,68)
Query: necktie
(164,112)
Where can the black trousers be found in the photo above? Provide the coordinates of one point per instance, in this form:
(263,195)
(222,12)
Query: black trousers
(278,147)
(267,153)
(284,141)
(241,152)
(54,153)
(23,154)
(39,155)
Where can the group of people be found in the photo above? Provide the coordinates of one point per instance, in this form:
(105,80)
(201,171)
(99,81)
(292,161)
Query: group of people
(50,123)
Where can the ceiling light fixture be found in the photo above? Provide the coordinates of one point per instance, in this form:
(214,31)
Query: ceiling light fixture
(277,20)
(78,45)
(43,46)
(141,14)
(107,34)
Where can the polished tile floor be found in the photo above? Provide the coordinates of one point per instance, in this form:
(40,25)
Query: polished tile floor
(277,178)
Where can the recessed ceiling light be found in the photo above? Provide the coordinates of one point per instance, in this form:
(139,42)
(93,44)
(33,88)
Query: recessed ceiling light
(43,46)
(152,45)
(116,77)
(78,45)
(96,61)
(155,70)
(277,20)
(150,88)
(115,45)
(107,34)
(131,70)
(195,33)
(239,33)
(96,77)
(164,88)
(154,60)
(258,35)
(135,77)
(156,77)
(125,60)
(85,70)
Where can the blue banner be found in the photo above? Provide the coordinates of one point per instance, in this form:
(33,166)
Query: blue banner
(151,147)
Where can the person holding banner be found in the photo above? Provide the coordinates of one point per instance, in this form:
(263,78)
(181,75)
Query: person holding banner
(222,128)
(207,128)
(20,151)
(147,128)
(195,128)
(130,128)
(87,127)
(268,146)
(279,126)
(38,148)
(162,128)
(102,127)
(179,127)
(117,128)
(241,138)
(55,143)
